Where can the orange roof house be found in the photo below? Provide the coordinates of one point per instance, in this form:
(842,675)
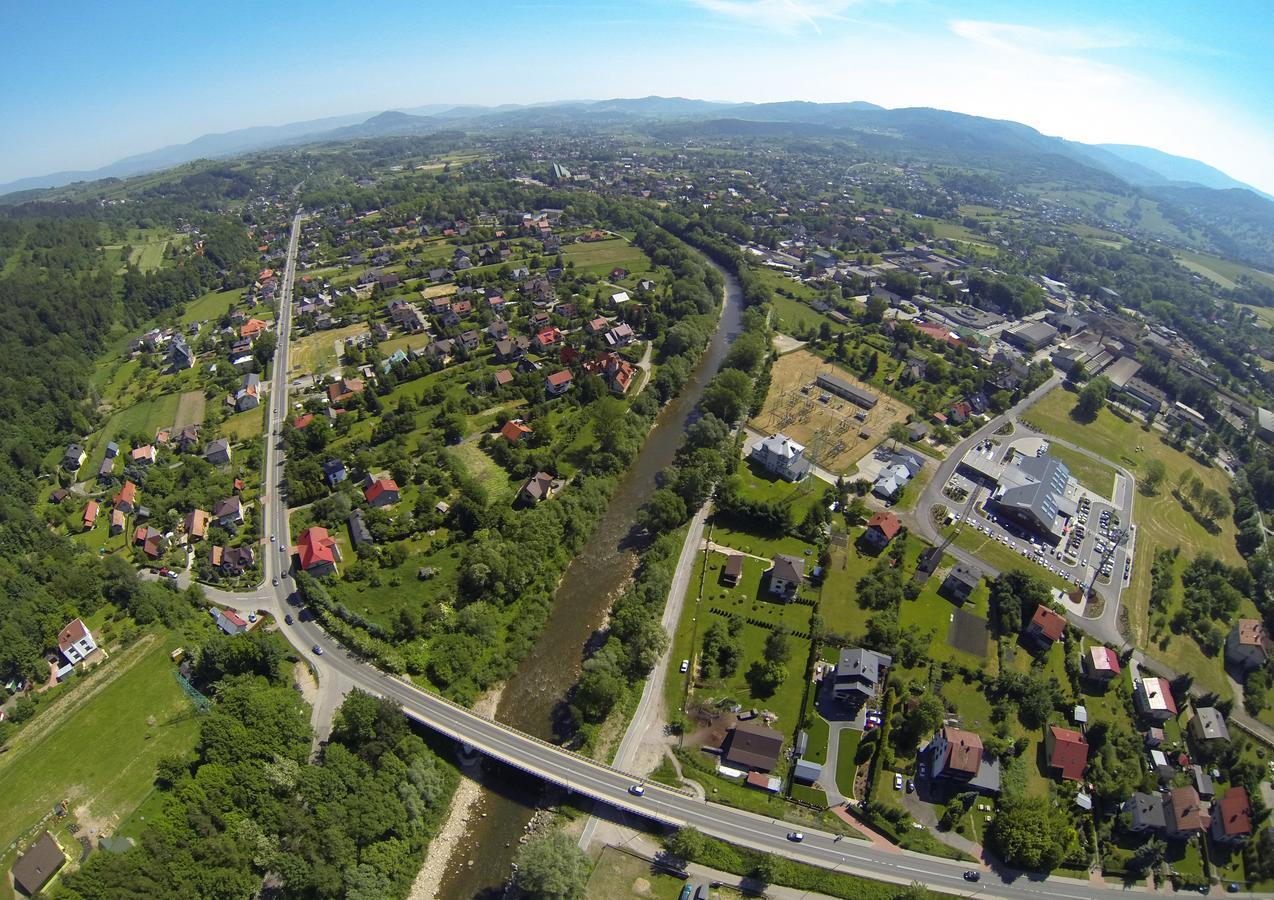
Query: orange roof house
(344,389)
(252,328)
(90,514)
(514,430)
(1047,625)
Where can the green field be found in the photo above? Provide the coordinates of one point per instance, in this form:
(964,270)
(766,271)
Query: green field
(1169,525)
(497,482)
(1097,477)
(97,746)
(599,257)
(243,426)
(211,306)
(1222,271)
(618,874)
(316,353)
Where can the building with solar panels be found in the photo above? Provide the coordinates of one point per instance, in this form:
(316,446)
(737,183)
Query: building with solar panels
(1032,493)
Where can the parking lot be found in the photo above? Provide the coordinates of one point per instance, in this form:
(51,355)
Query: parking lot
(1090,548)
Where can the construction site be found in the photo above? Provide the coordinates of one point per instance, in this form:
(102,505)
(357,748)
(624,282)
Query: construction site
(838,418)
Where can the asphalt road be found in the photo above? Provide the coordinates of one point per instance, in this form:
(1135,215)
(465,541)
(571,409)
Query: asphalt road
(604,783)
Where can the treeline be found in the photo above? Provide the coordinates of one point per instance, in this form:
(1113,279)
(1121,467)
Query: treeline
(635,638)
(250,811)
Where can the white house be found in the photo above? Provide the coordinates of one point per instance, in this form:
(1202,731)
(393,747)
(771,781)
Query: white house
(229,621)
(76,642)
(782,456)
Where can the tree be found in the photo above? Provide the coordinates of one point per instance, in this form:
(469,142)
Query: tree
(778,650)
(1153,477)
(665,512)
(1148,855)
(1031,832)
(687,843)
(921,719)
(728,395)
(1091,399)
(552,867)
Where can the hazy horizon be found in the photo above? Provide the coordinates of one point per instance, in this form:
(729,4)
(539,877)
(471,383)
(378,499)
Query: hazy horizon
(89,87)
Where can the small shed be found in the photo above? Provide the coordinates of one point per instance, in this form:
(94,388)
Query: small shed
(806,772)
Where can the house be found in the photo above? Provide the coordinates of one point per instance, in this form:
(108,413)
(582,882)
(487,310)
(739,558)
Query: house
(786,574)
(180,356)
(503,378)
(597,326)
(150,540)
(752,748)
(470,340)
(90,514)
(186,439)
(558,383)
(539,486)
(892,479)
(117,522)
(126,499)
(733,569)
(1153,698)
(1202,782)
(881,529)
(1186,815)
(334,472)
(961,582)
(196,524)
(231,560)
(382,492)
(511,349)
(621,335)
(301,421)
(252,328)
(1208,725)
(318,551)
(38,865)
(144,456)
(106,471)
(1148,812)
(859,674)
(229,621)
(359,533)
(1248,645)
(1067,752)
(498,330)
(340,391)
(514,430)
(228,512)
(76,641)
(958,756)
(73,458)
(619,298)
(217,452)
(1101,664)
(782,456)
(1045,628)
(112,450)
(1232,817)
(249,394)
(546,338)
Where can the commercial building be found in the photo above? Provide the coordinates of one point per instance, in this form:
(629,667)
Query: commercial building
(1032,493)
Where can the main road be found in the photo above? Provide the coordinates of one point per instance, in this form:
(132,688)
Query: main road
(335,665)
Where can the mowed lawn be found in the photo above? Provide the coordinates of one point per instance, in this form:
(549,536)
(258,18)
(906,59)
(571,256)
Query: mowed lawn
(97,746)
(1161,520)
(211,306)
(599,257)
(1097,477)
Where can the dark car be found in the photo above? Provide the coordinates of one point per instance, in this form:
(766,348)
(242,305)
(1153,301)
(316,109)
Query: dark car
(971,875)
(288,618)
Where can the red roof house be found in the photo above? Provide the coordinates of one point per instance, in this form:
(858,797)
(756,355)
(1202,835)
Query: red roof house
(1067,752)
(383,492)
(317,551)
(1102,664)
(882,528)
(558,383)
(1047,626)
(301,421)
(513,430)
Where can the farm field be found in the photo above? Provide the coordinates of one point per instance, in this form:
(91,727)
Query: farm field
(829,430)
(316,353)
(483,468)
(190,409)
(1170,525)
(1222,271)
(136,700)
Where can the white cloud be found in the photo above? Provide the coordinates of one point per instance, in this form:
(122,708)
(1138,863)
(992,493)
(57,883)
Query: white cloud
(779,15)
(1009,36)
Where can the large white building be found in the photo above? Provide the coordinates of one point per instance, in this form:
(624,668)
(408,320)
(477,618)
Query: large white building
(782,456)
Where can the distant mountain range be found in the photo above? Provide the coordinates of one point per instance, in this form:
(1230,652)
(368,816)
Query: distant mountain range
(1200,204)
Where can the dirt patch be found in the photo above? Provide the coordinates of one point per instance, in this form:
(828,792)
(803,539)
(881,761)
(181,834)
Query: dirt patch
(832,431)
(190,409)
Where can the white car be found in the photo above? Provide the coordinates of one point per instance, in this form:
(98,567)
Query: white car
(897,781)
(685,666)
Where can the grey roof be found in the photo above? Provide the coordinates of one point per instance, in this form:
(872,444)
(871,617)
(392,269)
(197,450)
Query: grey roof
(358,531)
(1034,333)
(842,387)
(1211,724)
(1202,782)
(1147,810)
(860,667)
(806,771)
(1034,486)
(789,568)
(969,576)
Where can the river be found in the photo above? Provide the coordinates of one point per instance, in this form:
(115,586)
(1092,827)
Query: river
(533,699)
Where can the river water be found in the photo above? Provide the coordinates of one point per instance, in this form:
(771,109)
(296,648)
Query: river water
(533,699)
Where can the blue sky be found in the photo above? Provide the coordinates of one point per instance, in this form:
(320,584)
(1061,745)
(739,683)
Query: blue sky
(85,83)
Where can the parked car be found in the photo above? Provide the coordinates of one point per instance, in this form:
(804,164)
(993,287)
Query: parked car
(685,666)
(897,781)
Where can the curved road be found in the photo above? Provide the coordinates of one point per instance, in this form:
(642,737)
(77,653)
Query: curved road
(335,666)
